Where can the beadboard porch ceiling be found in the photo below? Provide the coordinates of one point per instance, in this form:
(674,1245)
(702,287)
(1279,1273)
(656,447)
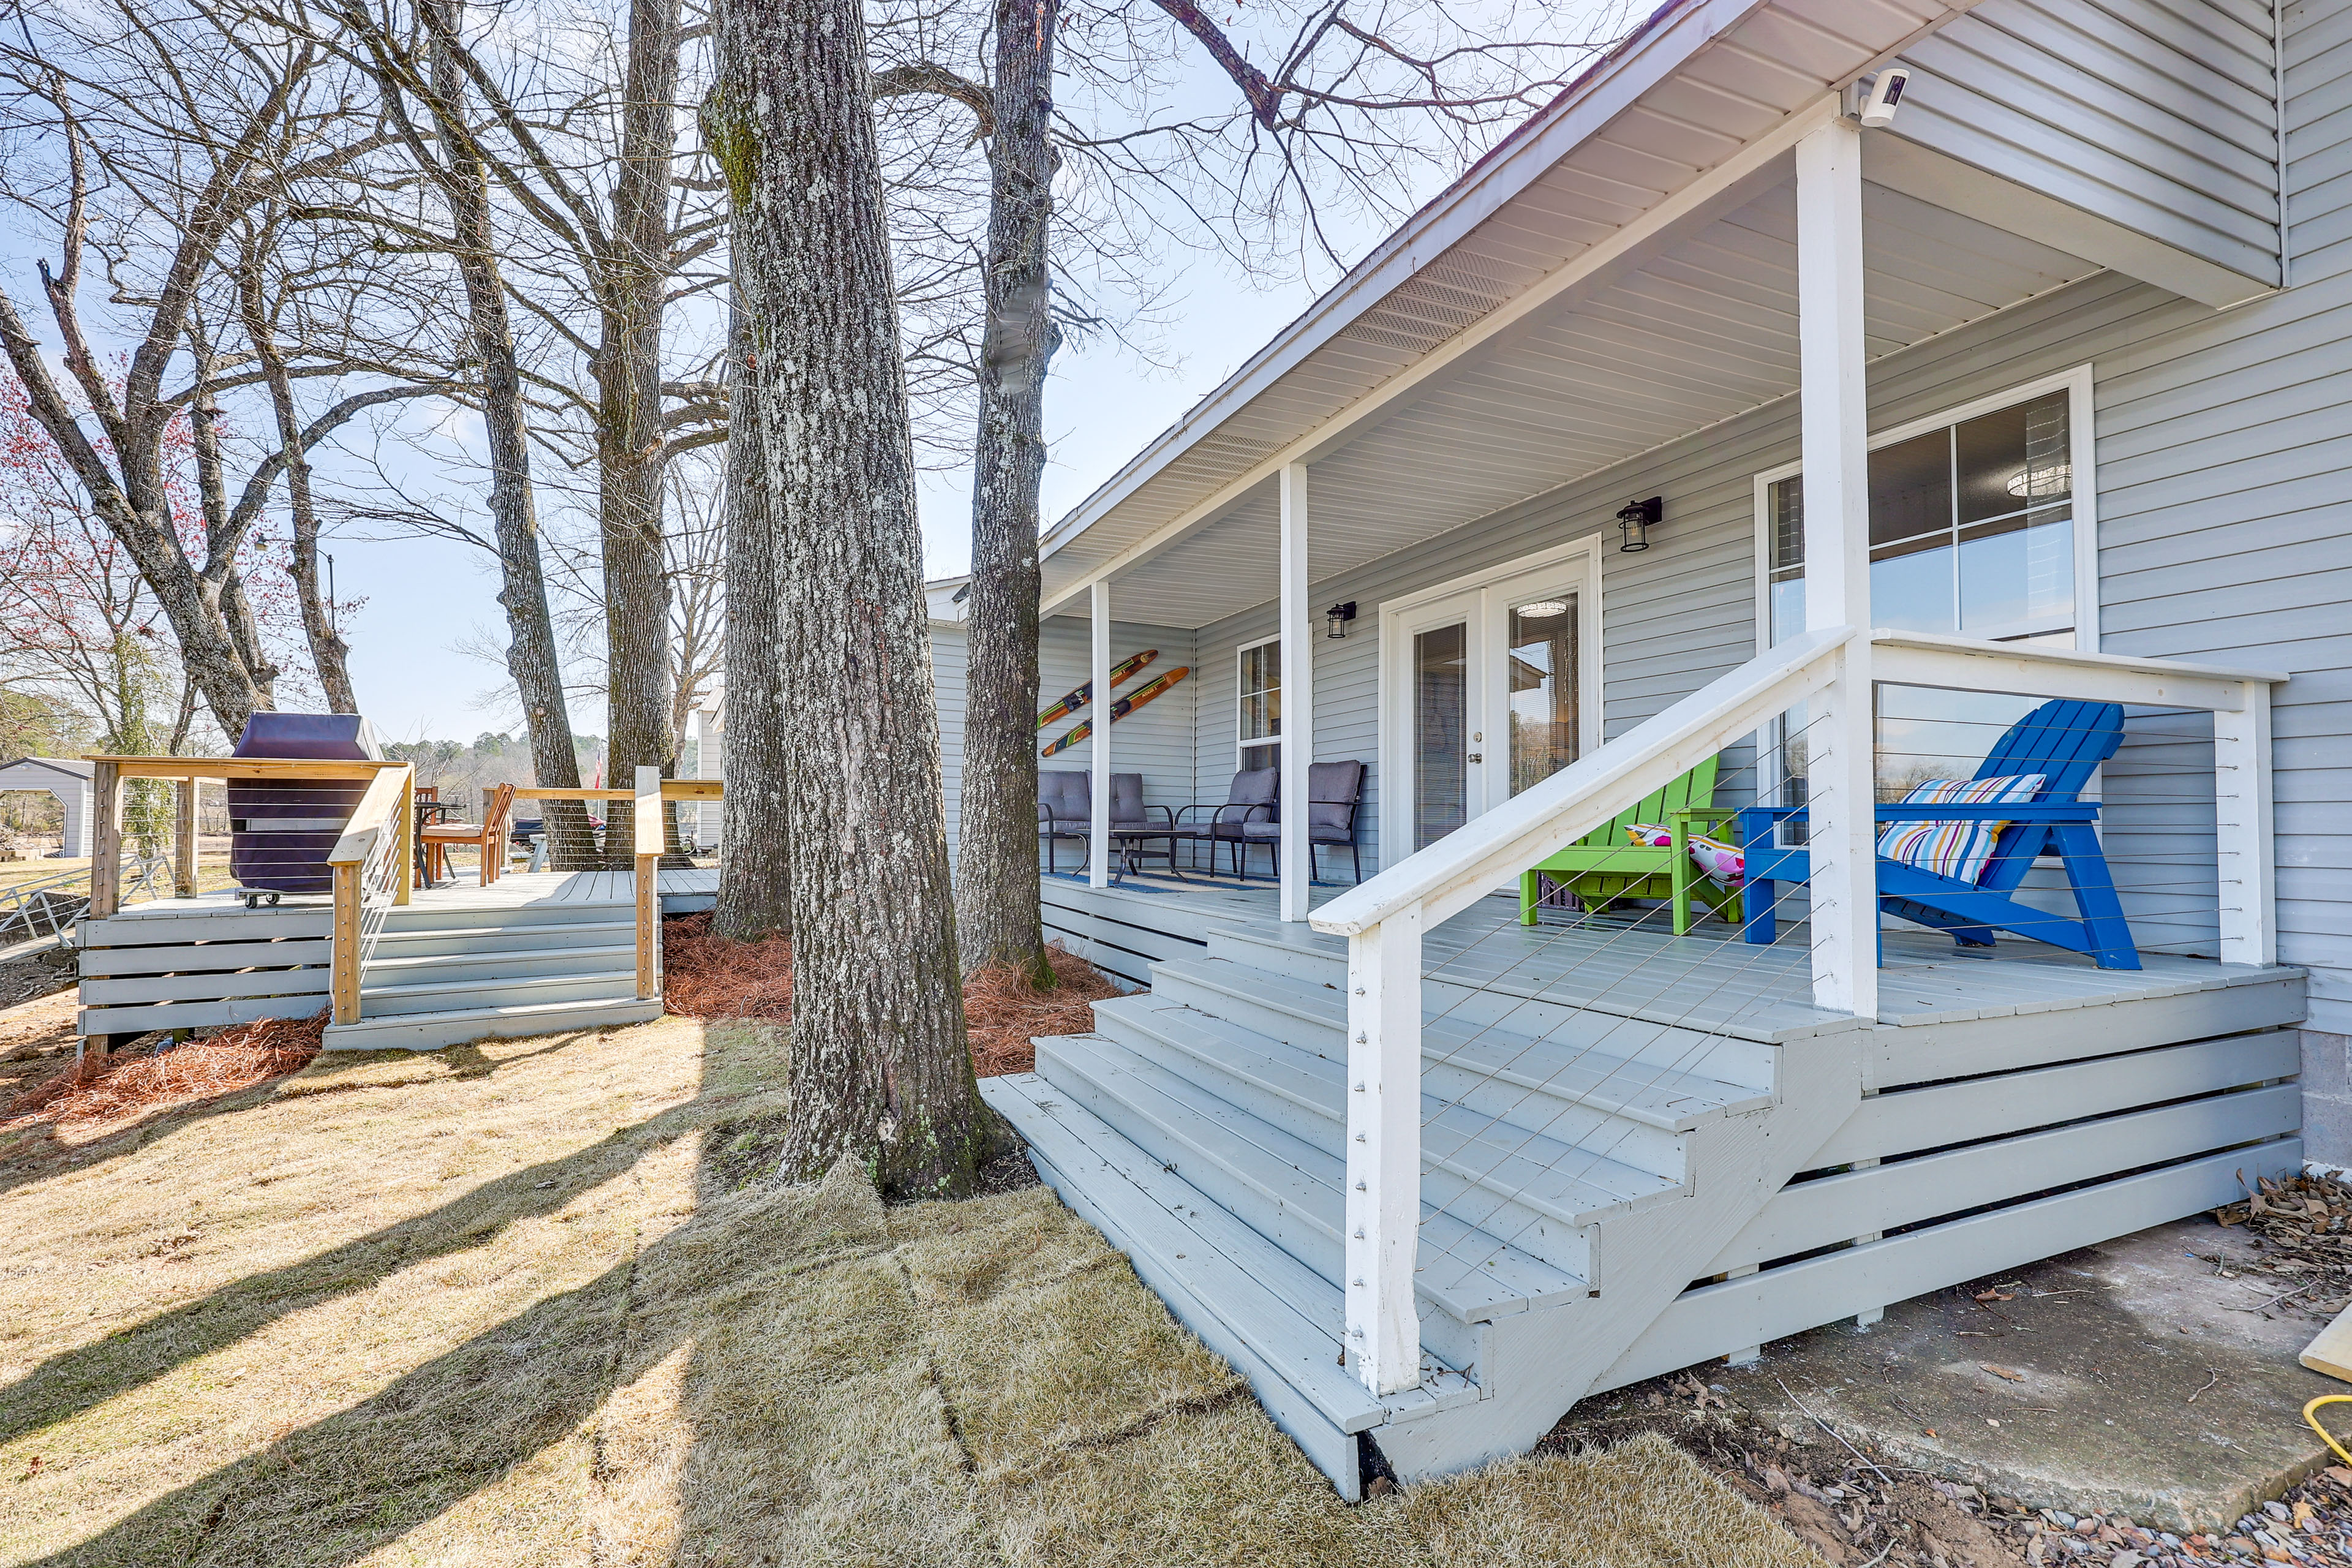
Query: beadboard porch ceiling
(1705,331)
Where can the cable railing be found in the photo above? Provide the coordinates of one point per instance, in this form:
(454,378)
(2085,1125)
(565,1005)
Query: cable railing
(1551,1058)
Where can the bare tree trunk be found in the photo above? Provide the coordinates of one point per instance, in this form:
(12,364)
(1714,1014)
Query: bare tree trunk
(531,654)
(630,456)
(328,652)
(996,891)
(755,866)
(880,1067)
(223,539)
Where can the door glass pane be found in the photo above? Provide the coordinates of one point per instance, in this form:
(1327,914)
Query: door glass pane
(1441,699)
(1544,687)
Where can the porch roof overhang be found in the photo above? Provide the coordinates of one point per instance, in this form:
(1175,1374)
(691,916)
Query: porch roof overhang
(1619,274)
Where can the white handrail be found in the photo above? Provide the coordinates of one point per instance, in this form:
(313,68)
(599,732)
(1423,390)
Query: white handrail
(1492,850)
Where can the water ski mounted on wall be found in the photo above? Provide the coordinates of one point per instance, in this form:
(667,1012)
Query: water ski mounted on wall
(1084,694)
(1120,708)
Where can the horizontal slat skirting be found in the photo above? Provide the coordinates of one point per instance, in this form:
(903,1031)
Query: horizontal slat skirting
(1131,966)
(1924,1054)
(1805,1215)
(210,925)
(1137,938)
(1905,1120)
(194,1014)
(1715,1320)
(187,958)
(217,987)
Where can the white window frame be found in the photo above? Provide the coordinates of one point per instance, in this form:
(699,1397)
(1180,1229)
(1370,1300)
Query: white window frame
(1240,745)
(2082,454)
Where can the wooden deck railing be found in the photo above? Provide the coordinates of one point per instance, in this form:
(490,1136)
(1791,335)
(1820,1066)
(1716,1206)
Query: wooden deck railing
(372,865)
(646,846)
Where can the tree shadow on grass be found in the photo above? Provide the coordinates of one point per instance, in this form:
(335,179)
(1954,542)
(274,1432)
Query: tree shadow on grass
(77,1380)
(330,1492)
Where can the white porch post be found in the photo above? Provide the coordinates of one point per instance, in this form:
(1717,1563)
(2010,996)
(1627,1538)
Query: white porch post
(1835,416)
(1383,1197)
(2242,836)
(1297,749)
(1099,756)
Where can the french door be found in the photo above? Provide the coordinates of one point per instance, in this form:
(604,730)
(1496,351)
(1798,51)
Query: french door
(1488,686)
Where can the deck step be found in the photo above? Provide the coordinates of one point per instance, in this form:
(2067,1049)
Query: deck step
(483,936)
(515,991)
(1292,1192)
(1515,1181)
(407,918)
(1280,1324)
(432,1031)
(1568,1085)
(398,966)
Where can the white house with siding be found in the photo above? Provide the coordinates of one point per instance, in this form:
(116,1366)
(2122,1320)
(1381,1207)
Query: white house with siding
(2034,394)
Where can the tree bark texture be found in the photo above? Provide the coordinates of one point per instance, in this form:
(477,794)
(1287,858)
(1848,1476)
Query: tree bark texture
(531,654)
(996,890)
(634,277)
(880,1067)
(329,655)
(755,868)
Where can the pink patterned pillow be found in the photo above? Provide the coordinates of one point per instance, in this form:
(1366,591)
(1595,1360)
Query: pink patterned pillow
(1956,849)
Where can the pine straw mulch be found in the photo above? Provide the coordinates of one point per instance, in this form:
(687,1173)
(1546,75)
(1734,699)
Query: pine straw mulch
(133,1083)
(2299,1223)
(703,977)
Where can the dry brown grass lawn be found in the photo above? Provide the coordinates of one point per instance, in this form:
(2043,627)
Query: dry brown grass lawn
(490,1307)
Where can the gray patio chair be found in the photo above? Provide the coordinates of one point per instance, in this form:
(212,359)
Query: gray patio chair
(1334,790)
(1066,809)
(1251,798)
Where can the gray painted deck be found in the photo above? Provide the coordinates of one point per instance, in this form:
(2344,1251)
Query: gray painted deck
(1609,1115)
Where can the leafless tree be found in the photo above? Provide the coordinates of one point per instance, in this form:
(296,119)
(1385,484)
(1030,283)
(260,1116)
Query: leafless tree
(143,134)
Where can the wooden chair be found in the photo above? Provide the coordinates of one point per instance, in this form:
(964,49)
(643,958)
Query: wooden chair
(1605,865)
(488,836)
(2064,741)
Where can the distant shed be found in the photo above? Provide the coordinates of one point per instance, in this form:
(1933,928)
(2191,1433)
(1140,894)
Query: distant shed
(67,778)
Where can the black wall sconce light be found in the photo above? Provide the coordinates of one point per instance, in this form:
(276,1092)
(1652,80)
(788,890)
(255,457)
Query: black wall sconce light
(1634,521)
(1336,619)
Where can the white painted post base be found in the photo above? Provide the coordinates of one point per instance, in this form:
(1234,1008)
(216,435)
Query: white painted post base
(1865,1321)
(1750,1355)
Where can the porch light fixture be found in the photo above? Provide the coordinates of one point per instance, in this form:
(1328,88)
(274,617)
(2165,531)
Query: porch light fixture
(1634,521)
(1336,619)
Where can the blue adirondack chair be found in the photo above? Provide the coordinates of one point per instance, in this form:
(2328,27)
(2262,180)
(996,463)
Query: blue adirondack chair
(2062,740)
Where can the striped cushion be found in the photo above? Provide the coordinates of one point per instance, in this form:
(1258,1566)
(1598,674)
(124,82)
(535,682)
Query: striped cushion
(1955,850)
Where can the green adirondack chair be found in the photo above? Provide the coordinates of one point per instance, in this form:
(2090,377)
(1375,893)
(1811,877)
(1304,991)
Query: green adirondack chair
(1605,865)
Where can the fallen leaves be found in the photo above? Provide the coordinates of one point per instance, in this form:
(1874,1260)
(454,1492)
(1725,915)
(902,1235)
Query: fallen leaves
(2008,1374)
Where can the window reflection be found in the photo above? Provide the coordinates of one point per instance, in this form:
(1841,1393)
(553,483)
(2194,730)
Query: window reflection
(1971,529)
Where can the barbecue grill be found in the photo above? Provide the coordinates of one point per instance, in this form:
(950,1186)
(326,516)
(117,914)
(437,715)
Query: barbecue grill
(281,829)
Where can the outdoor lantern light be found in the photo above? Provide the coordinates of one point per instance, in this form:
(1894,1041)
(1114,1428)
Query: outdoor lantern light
(1336,619)
(1634,521)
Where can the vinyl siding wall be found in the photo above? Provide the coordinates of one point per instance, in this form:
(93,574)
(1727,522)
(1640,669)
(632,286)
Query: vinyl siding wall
(2161,115)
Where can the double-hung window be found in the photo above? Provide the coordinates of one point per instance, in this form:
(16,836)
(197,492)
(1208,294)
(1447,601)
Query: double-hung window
(1259,734)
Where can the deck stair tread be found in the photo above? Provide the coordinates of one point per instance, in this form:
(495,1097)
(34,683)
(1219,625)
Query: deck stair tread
(1662,1097)
(1462,1270)
(1569,1184)
(1287,1315)
(456,1026)
(494,966)
(1692,982)
(618,981)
